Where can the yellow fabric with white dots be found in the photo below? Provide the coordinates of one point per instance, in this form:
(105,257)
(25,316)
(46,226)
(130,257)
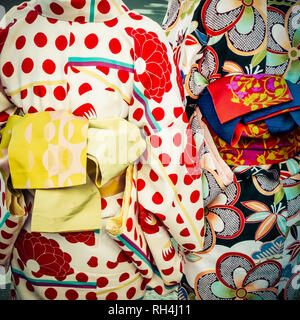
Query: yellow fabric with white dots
(48,150)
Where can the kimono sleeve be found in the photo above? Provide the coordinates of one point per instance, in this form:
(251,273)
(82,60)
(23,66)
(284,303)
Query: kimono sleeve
(168,179)
(13,211)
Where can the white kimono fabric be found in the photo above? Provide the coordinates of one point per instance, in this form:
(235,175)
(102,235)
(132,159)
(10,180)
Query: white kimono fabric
(99,60)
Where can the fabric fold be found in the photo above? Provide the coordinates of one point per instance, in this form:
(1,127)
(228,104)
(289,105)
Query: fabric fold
(279,118)
(67,210)
(223,170)
(150,247)
(242,94)
(112,145)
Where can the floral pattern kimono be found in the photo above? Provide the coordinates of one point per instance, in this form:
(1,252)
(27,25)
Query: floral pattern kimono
(97,61)
(253,227)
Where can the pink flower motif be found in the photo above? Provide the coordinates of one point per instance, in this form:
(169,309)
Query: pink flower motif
(270,84)
(241,94)
(232,85)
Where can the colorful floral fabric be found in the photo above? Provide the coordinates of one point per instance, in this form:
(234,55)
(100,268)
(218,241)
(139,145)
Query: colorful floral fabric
(266,149)
(251,125)
(246,241)
(236,39)
(243,94)
(99,60)
(244,37)
(252,228)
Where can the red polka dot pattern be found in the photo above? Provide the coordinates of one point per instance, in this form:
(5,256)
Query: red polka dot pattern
(200,214)
(72,39)
(112,296)
(123,76)
(52,20)
(22,6)
(82,277)
(20,42)
(103,7)
(157,198)
(61,42)
(93,262)
(163,191)
(56,8)
(115,46)
(174,178)
(111,23)
(137,114)
(195,195)
(40,91)
(72,294)
(153,176)
(155,141)
(8,69)
(23,94)
(135,16)
(51,293)
(141,184)
(158,113)
(40,39)
(80,19)
(129,224)
(31,16)
(85,87)
(78,4)
(27,65)
(124,277)
(91,41)
(60,93)
(177,139)
(91,296)
(165,159)
(29,286)
(130,293)
(32,110)
(49,66)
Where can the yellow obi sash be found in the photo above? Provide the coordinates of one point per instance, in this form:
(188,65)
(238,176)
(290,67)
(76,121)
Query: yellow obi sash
(114,144)
(48,150)
(52,152)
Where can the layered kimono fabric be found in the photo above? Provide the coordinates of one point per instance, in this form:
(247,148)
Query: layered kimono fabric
(240,65)
(99,167)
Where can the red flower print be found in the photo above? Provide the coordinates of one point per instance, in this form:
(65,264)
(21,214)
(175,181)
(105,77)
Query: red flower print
(86,237)
(52,261)
(152,65)
(148,222)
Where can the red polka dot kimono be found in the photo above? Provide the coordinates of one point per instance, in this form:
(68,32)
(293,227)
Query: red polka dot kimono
(99,60)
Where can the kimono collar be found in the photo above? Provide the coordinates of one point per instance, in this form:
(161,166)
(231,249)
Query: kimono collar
(80,10)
